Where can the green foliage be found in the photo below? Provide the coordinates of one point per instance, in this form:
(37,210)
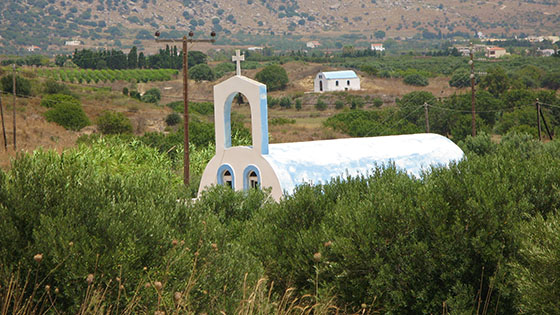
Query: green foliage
(416,79)
(285,102)
(538,268)
(369,69)
(481,144)
(298,103)
(173,119)
(53,87)
(111,122)
(460,78)
(23,85)
(496,81)
(152,95)
(377,102)
(320,105)
(69,115)
(338,104)
(125,91)
(202,72)
(221,69)
(277,121)
(52,100)
(117,203)
(551,80)
(274,76)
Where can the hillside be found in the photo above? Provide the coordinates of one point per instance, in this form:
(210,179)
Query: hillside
(48,24)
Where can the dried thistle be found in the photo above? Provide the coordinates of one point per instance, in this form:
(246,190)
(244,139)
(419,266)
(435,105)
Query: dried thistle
(317,257)
(328,244)
(89,278)
(38,258)
(158,285)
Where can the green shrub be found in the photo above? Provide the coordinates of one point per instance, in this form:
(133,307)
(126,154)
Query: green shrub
(277,121)
(221,69)
(536,271)
(69,115)
(272,101)
(52,100)
(298,103)
(173,119)
(113,123)
(274,76)
(551,80)
(125,91)
(53,87)
(285,102)
(152,95)
(356,102)
(481,144)
(23,86)
(202,72)
(339,104)
(377,102)
(416,79)
(460,78)
(321,105)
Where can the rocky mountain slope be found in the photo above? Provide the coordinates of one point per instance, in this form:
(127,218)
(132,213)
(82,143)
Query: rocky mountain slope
(49,23)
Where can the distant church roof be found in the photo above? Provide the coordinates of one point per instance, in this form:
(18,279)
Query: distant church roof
(346,74)
(318,162)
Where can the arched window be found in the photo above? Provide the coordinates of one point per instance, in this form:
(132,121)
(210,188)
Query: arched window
(336,83)
(251,178)
(348,82)
(226,176)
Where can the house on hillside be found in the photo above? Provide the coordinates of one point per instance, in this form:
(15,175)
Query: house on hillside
(284,166)
(495,52)
(72,43)
(33,48)
(336,81)
(377,47)
(312,44)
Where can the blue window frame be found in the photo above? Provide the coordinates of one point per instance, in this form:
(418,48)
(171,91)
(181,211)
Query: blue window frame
(226,176)
(251,178)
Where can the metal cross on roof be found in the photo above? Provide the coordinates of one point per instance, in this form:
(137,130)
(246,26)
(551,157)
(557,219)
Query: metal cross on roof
(238,58)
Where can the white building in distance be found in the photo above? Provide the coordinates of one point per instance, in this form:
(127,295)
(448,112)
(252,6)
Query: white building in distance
(72,43)
(377,47)
(336,81)
(282,167)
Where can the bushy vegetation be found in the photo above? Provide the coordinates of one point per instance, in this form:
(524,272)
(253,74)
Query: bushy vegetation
(274,76)
(111,122)
(202,72)
(23,85)
(69,115)
(415,79)
(152,95)
(105,217)
(107,75)
(53,100)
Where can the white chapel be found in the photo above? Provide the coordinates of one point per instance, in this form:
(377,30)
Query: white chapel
(283,166)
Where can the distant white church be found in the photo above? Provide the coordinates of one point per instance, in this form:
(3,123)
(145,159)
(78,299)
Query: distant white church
(336,81)
(282,167)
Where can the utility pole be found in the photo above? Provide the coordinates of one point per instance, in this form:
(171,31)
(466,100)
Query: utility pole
(14,91)
(538,105)
(471,63)
(3,127)
(427,117)
(185,40)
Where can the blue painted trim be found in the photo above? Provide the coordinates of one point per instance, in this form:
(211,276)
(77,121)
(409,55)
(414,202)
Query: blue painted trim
(220,176)
(246,172)
(227,120)
(264,119)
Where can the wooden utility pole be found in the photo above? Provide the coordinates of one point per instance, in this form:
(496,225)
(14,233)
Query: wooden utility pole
(14,91)
(185,40)
(538,106)
(3,126)
(427,117)
(471,63)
